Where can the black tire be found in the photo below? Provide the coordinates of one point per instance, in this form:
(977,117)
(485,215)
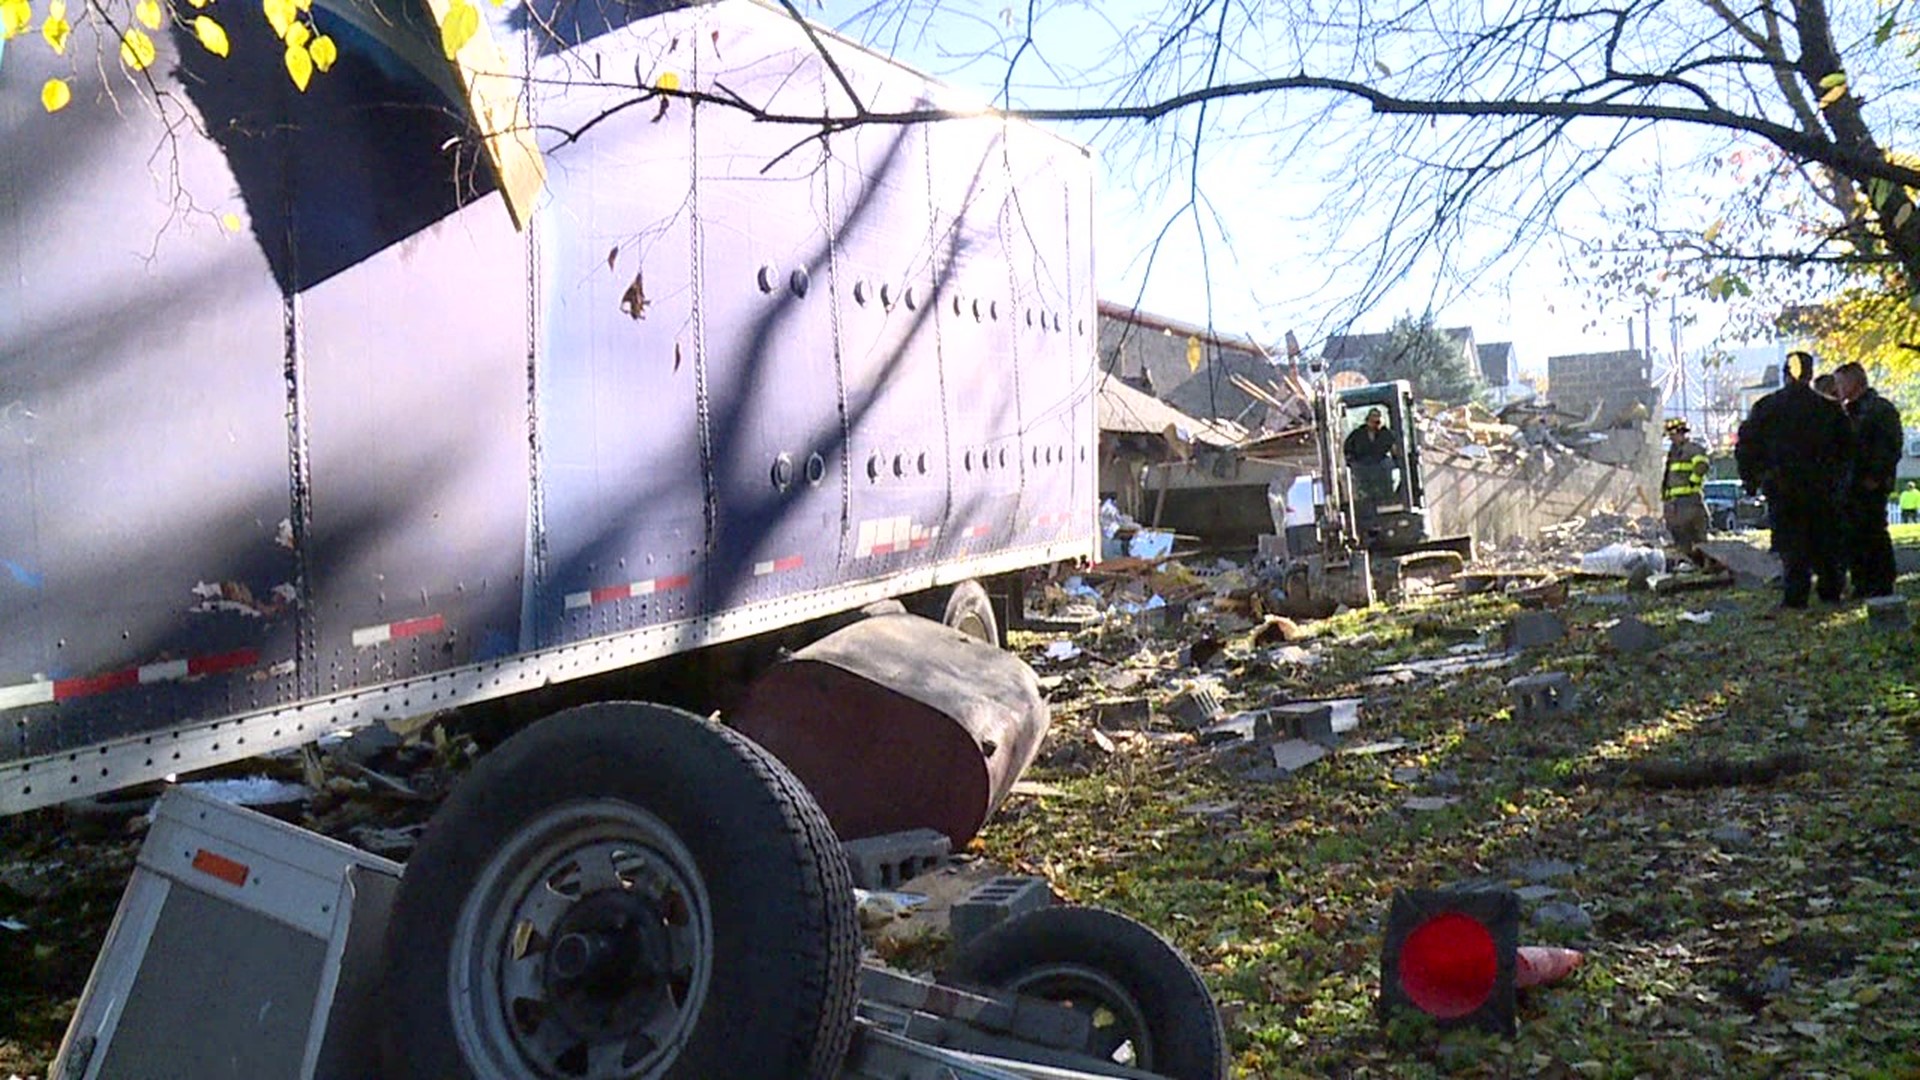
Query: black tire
(719,938)
(970,611)
(1089,958)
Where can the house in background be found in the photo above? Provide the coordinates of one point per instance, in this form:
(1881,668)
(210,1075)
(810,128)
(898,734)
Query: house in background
(1500,370)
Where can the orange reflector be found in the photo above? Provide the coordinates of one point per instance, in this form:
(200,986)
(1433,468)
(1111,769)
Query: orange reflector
(233,873)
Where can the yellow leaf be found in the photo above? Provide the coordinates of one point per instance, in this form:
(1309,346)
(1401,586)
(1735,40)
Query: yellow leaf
(148,12)
(298,35)
(458,28)
(211,34)
(303,5)
(324,52)
(55,30)
(300,67)
(1833,95)
(231,220)
(667,81)
(15,17)
(1713,231)
(198,3)
(280,15)
(136,49)
(54,95)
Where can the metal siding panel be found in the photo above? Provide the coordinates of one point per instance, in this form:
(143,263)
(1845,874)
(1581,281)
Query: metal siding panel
(623,487)
(142,435)
(968,190)
(890,351)
(415,363)
(1052,386)
(769,350)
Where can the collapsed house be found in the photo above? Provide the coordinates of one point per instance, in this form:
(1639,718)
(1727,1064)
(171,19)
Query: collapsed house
(1197,428)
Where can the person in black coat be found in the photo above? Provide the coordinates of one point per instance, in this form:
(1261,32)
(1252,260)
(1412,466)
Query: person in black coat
(1794,446)
(1874,424)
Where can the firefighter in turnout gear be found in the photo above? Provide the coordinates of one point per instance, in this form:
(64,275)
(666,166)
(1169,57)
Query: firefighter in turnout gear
(1681,490)
(1795,446)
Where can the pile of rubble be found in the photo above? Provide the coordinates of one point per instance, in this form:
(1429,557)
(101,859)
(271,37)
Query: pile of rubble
(1526,431)
(1565,545)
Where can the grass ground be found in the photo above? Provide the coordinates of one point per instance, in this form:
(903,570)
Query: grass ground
(1758,930)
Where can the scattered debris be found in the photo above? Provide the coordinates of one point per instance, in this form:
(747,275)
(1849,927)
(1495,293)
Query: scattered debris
(1293,755)
(1563,915)
(1717,771)
(1542,696)
(1535,630)
(1887,612)
(1631,637)
(1429,803)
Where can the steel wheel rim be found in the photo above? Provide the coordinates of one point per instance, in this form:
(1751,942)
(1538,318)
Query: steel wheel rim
(1120,1033)
(584,950)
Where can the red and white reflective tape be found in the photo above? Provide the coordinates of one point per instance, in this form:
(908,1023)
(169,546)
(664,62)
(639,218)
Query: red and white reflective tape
(976,532)
(629,591)
(1054,521)
(47,691)
(368,636)
(890,536)
(778,566)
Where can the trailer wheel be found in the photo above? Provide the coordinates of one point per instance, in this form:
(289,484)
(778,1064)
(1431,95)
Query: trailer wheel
(623,891)
(970,611)
(1150,1010)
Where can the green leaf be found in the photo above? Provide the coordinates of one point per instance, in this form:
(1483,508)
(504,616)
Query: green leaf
(1838,78)
(1884,32)
(213,36)
(458,28)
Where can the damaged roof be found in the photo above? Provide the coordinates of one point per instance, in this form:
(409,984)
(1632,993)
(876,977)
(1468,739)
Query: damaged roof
(1128,411)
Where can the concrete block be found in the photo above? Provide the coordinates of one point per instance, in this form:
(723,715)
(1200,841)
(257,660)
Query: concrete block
(1319,721)
(1535,630)
(1543,696)
(994,902)
(884,862)
(1296,754)
(1631,637)
(1195,707)
(1887,612)
(1250,726)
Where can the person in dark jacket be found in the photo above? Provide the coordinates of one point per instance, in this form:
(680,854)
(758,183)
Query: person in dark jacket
(1371,458)
(1874,424)
(1794,446)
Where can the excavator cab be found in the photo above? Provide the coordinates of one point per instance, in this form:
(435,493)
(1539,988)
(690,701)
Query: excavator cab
(1379,434)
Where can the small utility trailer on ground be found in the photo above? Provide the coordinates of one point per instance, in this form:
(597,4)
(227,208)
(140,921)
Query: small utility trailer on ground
(572,914)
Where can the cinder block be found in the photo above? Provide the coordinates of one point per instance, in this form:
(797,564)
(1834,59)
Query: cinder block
(994,902)
(1887,612)
(1542,696)
(884,862)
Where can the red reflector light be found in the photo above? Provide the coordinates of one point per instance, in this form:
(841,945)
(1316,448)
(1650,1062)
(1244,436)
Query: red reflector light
(1449,966)
(233,873)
